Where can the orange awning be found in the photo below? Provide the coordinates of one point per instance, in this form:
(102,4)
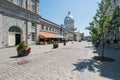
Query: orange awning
(47,35)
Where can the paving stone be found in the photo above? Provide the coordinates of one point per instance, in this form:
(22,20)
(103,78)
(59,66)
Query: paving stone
(73,62)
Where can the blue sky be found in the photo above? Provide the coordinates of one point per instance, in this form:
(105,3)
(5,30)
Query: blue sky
(82,11)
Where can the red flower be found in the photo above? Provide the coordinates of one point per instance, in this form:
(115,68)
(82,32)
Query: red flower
(29,49)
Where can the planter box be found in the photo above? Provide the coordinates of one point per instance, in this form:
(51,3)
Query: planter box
(55,45)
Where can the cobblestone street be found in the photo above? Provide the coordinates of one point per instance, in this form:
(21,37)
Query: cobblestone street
(71,62)
(58,64)
(59,40)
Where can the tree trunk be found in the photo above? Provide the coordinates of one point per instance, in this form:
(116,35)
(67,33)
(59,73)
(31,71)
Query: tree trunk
(103,51)
(103,45)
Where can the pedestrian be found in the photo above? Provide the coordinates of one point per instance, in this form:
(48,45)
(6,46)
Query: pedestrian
(97,43)
(115,43)
(108,42)
(102,43)
(64,42)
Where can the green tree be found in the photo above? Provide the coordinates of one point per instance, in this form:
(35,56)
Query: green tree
(93,30)
(102,21)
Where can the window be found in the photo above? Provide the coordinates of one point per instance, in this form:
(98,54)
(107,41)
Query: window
(20,3)
(10,0)
(49,28)
(32,24)
(114,1)
(14,29)
(33,8)
(46,28)
(119,29)
(33,36)
(110,6)
(42,27)
(53,30)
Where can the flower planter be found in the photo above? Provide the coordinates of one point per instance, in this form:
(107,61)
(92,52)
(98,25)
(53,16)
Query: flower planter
(23,49)
(55,44)
(64,43)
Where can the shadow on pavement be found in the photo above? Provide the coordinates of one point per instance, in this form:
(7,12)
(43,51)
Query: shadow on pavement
(16,56)
(83,64)
(88,46)
(109,70)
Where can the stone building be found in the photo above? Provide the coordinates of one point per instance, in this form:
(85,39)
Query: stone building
(116,23)
(69,21)
(114,32)
(77,35)
(69,25)
(50,32)
(19,21)
(71,33)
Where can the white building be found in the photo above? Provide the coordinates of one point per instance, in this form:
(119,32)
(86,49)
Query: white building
(77,35)
(69,21)
(72,34)
(69,24)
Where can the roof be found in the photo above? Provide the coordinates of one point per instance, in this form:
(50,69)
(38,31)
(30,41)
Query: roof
(59,36)
(46,35)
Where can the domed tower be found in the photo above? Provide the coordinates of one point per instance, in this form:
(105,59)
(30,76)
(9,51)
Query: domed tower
(69,21)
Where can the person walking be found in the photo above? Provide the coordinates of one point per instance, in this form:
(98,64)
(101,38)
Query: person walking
(116,43)
(108,42)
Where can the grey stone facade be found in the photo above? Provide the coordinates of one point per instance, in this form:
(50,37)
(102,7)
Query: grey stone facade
(22,22)
(16,23)
(115,27)
(50,27)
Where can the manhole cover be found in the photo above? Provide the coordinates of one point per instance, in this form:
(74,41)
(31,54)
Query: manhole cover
(22,62)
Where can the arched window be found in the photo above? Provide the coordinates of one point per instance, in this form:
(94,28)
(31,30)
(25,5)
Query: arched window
(14,29)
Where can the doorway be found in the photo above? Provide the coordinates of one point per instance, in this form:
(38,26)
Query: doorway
(17,39)
(14,36)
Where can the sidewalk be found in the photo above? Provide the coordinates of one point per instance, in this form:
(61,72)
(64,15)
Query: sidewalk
(104,70)
(7,53)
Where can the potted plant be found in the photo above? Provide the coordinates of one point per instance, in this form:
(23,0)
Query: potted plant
(55,44)
(23,49)
(64,42)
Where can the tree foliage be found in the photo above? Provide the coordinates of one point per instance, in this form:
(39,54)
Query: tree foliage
(102,20)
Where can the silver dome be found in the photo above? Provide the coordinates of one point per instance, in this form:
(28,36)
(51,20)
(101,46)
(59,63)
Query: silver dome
(69,17)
